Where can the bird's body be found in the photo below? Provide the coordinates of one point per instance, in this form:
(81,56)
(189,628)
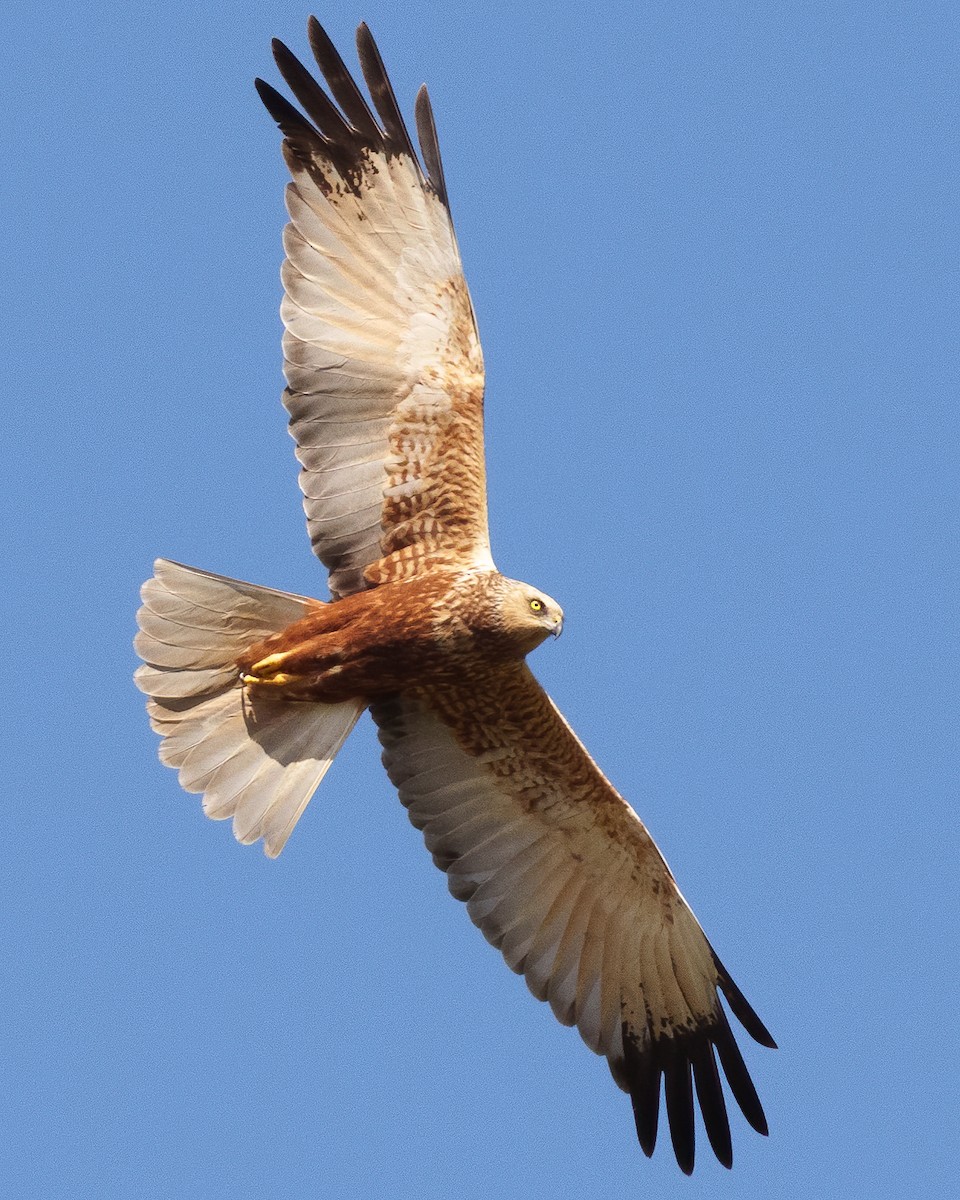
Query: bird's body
(253,691)
(442,627)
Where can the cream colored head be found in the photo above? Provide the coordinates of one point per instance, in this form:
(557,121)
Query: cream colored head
(531,616)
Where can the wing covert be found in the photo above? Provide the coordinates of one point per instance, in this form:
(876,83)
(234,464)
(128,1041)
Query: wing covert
(562,877)
(381,351)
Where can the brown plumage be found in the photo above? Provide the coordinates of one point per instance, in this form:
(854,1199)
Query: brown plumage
(253,691)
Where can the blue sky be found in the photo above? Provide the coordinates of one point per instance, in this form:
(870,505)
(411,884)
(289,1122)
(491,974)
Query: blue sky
(713,251)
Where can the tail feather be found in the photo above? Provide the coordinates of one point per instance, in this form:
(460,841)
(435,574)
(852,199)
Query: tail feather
(258,761)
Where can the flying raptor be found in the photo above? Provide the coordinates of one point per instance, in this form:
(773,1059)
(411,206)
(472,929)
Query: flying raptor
(254,690)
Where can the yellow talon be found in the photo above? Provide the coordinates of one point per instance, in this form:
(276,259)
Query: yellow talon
(264,673)
(273,681)
(265,664)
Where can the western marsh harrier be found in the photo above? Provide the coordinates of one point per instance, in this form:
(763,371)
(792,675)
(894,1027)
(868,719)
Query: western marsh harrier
(253,691)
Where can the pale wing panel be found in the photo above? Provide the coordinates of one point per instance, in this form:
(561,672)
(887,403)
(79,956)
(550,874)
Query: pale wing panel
(560,874)
(381,354)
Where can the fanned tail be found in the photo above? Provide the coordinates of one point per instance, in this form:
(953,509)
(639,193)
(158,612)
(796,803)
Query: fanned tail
(256,760)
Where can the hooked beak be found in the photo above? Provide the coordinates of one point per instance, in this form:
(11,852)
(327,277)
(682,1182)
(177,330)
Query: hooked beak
(558,627)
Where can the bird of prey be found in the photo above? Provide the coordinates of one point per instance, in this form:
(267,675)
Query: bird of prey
(254,690)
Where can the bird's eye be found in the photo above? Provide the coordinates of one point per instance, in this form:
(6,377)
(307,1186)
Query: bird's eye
(537,605)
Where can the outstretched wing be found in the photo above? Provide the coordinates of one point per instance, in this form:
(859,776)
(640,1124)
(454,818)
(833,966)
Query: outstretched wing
(560,874)
(382,356)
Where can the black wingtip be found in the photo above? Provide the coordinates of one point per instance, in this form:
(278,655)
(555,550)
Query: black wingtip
(382,94)
(341,83)
(741,1007)
(643,1081)
(430,143)
(294,126)
(678,1090)
(690,1062)
(738,1076)
(712,1104)
(317,105)
(338,126)
(646,1121)
(275,104)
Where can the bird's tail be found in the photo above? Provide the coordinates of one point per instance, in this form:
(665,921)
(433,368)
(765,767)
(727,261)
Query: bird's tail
(256,760)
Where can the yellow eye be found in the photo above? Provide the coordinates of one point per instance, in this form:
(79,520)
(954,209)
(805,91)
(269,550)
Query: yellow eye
(537,605)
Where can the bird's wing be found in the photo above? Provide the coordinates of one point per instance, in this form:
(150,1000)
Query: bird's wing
(382,356)
(562,877)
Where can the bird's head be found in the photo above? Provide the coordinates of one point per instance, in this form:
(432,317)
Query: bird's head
(530,615)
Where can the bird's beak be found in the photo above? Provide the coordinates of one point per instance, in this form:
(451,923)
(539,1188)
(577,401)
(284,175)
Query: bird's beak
(558,627)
